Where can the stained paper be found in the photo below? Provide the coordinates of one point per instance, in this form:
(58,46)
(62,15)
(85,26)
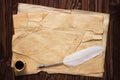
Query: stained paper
(46,36)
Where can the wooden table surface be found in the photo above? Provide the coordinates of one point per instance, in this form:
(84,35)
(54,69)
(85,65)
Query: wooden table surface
(112,59)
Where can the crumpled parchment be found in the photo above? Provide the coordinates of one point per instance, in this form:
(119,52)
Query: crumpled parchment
(46,38)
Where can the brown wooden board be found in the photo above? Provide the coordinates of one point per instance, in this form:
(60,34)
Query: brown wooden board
(112,59)
(6,32)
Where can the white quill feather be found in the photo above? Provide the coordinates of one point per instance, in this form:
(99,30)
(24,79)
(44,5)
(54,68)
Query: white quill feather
(79,57)
(82,56)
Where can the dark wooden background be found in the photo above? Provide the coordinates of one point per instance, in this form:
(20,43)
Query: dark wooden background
(112,59)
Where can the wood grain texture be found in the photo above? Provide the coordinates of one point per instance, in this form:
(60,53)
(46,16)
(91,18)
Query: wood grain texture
(6,32)
(112,59)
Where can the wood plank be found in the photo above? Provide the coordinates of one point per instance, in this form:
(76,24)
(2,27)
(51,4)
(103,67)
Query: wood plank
(6,32)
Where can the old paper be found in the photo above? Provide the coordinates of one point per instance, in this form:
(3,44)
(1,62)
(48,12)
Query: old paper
(46,37)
